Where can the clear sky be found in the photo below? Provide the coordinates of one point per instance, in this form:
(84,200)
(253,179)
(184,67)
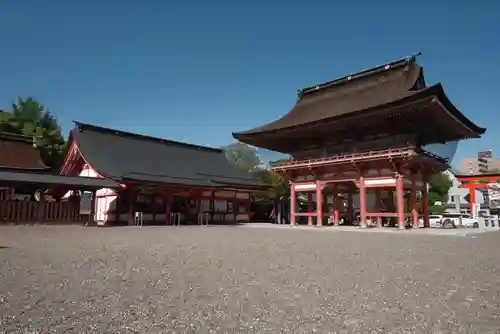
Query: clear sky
(197,70)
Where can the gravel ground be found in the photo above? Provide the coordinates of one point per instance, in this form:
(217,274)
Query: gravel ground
(245,280)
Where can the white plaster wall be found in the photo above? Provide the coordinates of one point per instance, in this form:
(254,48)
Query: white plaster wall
(106,198)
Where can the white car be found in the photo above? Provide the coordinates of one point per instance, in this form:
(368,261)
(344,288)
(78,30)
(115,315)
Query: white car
(434,221)
(452,220)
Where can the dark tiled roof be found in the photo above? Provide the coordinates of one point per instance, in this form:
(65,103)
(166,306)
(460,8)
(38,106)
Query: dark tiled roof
(76,182)
(18,151)
(355,94)
(127,156)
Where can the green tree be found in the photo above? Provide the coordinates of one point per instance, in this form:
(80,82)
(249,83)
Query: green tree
(439,185)
(7,122)
(31,118)
(242,156)
(279,188)
(246,158)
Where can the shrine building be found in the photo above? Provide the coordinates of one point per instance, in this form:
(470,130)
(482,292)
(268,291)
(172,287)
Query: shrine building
(161,179)
(365,135)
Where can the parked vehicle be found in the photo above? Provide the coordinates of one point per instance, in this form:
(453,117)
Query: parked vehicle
(452,220)
(434,221)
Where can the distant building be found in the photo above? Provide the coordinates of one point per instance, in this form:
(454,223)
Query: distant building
(481,163)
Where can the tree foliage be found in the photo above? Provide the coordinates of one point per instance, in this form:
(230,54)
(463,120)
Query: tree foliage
(439,185)
(246,158)
(29,117)
(242,156)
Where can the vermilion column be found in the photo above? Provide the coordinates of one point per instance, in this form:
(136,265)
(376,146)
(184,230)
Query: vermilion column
(378,206)
(349,207)
(310,208)
(425,204)
(362,201)
(400,202)
(293,203)
(336,207)
(472,194)
(332,211)
(413,202)
(319,204)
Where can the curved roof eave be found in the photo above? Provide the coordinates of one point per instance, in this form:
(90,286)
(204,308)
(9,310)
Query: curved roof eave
(435,90)
(455,112)
(98,170)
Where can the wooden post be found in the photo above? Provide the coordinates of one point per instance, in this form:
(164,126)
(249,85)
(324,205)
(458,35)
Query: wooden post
(378,206)
(212,206)
(425,205)
(362,201)
(293,203)
(319,203)
(168,208)
(41,208)
(310,208)
(91,219)
(131,207)
(153,207)
(235,206)
(350,212)
(117,208)
(336,208)
(400,203)
(413,202)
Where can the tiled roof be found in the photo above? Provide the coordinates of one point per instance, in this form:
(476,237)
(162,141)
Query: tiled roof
(125,156)
(76,182)
(361,93)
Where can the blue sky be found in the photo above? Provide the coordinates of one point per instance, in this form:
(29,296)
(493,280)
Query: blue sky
(197,70)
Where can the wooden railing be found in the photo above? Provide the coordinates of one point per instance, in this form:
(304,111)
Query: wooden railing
(387,153)
(40,212)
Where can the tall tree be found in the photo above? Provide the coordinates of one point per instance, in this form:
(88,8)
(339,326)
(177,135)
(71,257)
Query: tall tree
(7,122)
(242,156)
(246,158)
(29,117)
(439,185)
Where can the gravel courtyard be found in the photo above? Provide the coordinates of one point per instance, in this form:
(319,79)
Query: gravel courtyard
(245,280)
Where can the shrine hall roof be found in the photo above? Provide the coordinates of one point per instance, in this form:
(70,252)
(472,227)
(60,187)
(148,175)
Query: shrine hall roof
(360,94)
(125,156)
(19,152)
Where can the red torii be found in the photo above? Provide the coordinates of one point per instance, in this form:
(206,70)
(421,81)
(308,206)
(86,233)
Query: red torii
(477,181)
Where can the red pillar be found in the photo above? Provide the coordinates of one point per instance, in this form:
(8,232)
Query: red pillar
(378,206)
(413,202)
(336,207)
(472,194)
(349,207)
(319,204)
(310,207)
(332,211)
(362,201)
(425,204)
(293,202)
(400,202)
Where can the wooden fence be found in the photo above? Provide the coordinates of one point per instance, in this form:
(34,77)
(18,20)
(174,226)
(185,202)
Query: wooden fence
(40,212)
